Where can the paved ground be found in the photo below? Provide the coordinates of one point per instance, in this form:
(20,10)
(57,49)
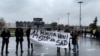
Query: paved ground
(88,47)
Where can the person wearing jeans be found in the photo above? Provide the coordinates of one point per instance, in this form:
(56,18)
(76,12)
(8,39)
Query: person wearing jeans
(19,38)
(28,38)
(75,46)
(75,40)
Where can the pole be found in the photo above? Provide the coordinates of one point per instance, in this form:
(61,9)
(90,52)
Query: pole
(80,2)
(68,18)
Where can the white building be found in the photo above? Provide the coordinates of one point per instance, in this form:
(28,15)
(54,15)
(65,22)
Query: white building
(11,25)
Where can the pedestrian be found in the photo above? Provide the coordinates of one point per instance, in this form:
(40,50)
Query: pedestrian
(75,40)
(28,38)
(94,32)
(85,32)
(19,38)
(5,34)
(68,31)
(58,48)
(97,34)
(91,33)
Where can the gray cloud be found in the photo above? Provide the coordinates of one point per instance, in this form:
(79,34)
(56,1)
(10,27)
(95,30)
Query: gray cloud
(50,10)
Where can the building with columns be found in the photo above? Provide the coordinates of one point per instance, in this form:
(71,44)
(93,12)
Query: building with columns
(37,22)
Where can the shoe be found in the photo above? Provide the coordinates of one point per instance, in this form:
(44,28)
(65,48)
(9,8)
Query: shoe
(69,48)
(77,49)
(21,51)
(7,52)
(16,52)
(1,53)
(28,49)
(74,51)
(65,49)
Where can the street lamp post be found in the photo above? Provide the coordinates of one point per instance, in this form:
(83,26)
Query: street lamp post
(80,2)
(68,18)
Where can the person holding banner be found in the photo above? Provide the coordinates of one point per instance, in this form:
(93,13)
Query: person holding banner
(58,48)
(19,38)
(75,40)
(68,31)
(28,37)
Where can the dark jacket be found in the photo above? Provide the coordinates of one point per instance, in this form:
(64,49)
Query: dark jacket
(74,37)
(28,32)
(5,34)
(19,34)
(97,34)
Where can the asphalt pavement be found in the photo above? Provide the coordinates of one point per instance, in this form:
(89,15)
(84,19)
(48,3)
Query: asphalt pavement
(87,47)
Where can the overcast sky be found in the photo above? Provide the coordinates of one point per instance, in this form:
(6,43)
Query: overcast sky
(50,10)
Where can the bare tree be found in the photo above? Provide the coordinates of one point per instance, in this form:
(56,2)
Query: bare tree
(94,24)
(61,26)
(54,25)
(2,22)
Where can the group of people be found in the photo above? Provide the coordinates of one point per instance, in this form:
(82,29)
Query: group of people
(95,34)
(74,37)
(19,33)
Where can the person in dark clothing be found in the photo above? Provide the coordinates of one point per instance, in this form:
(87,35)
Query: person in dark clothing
(58,48)
(19,38)
(75,40)
(91,33)
(28,38)
(97,34)
(5,34)
(68,31)
(85,32)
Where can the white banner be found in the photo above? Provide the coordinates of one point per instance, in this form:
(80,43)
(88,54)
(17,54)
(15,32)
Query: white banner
(50,38)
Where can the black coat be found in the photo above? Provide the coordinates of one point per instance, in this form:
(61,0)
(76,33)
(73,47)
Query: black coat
(19,34)
(5,34)
(74,37)
(28,32)
(97,34)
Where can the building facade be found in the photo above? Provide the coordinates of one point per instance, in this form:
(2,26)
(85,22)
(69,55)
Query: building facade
(37,22)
